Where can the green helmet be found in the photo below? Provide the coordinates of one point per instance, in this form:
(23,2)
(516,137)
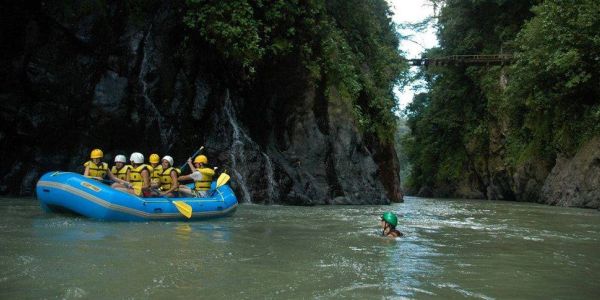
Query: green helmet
(390,217)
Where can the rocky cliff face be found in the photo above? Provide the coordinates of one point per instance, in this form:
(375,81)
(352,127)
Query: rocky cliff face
(124,81)
(569,181)
(575,181)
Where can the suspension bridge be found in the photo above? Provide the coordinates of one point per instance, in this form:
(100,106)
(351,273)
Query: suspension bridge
(455,60)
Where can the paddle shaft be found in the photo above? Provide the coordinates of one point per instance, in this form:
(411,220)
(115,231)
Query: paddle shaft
(193,155)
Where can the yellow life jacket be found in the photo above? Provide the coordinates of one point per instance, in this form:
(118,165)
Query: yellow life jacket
(165,178)
(156,173)
(121,173)
(204,183)
(136,179)
(95,170)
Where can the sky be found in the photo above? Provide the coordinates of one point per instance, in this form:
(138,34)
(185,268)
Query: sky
(412,11)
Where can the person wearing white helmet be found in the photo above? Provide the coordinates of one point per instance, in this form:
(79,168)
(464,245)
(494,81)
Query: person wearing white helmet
(169,184)
(120,169)
(139,175)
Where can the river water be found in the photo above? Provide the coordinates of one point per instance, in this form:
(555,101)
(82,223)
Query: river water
(452,249)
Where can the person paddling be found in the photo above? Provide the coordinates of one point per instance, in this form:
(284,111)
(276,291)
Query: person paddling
(388,223)
(202,176)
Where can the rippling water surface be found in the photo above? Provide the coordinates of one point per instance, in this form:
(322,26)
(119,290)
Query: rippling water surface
(452,249)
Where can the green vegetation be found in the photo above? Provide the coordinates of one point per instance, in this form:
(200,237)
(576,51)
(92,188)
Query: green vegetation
(478,121)
(349,46)
(554,91)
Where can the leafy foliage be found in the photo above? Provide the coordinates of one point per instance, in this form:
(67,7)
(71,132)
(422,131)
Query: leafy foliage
(230,26)
(350,46)
(554,91)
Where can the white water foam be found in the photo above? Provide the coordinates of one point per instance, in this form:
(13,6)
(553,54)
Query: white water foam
(238,157)
(457,288)
(270,179)
(237,147)
(75,293)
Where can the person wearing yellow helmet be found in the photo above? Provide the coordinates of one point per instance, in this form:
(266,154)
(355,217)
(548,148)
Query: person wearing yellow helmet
(157,170)
(202,176)
(95,167)
(98,170)
(388,223)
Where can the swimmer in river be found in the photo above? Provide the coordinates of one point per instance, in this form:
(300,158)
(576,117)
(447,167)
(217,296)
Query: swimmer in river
(388,223)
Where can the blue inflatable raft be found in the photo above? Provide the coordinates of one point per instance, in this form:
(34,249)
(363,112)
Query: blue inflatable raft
(72,192)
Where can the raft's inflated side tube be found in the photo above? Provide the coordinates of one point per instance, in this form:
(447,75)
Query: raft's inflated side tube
(67,191)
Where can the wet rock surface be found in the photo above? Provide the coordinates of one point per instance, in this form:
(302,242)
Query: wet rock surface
(575,181)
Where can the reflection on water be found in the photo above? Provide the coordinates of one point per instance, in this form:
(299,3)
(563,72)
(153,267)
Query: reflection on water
(209,232)
(183,231)
(451,249)
(70,229)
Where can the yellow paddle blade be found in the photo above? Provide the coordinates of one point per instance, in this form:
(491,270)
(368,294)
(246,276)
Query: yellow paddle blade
(223,178)
(184,208)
